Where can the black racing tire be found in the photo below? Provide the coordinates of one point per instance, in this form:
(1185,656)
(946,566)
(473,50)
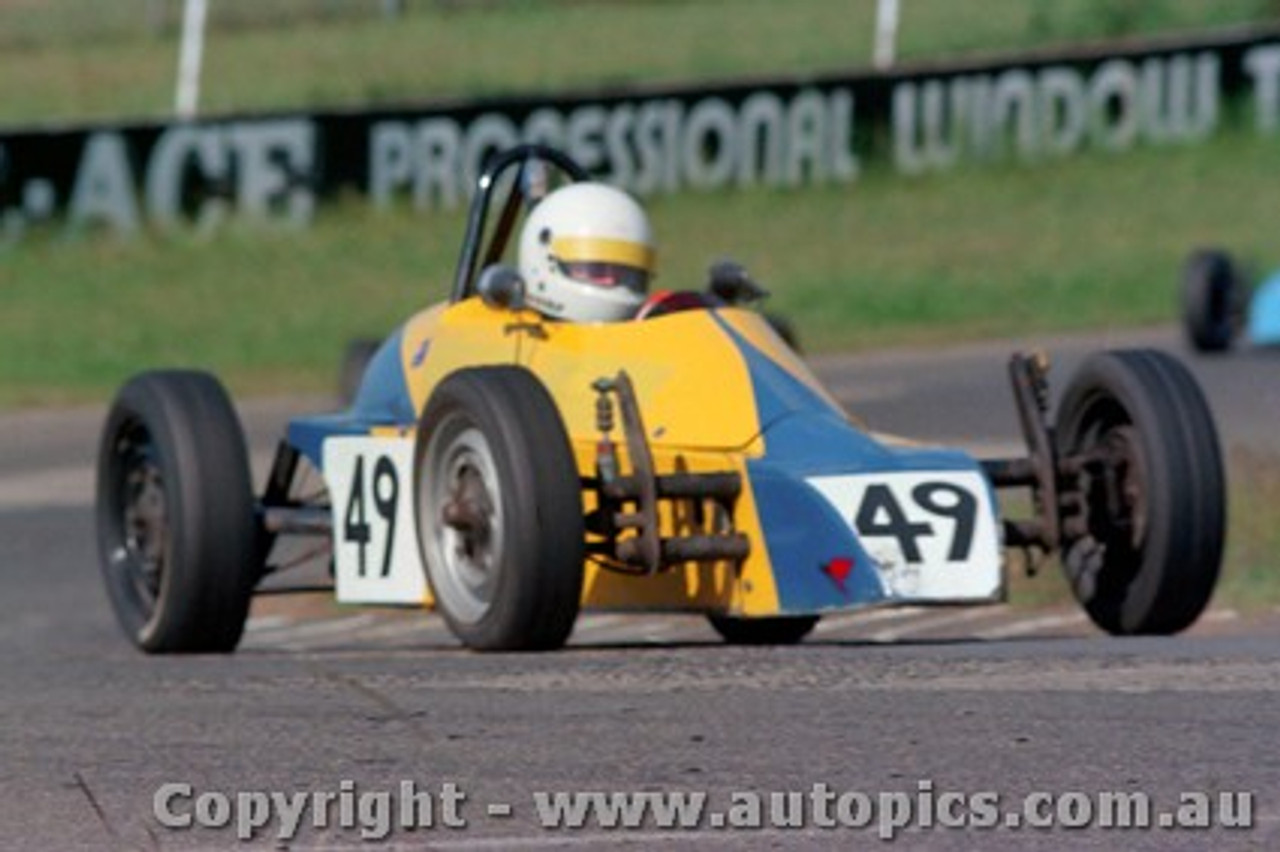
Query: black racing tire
(784,328)
(177,530)
(355,360)
(506,572)
(1211,299)
(771,630)
(1154,493)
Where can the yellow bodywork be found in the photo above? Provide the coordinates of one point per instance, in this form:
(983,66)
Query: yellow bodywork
(696,399)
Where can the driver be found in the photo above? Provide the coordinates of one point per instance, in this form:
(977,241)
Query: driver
(587,254)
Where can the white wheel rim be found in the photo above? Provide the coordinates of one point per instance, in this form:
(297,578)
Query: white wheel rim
(463,564)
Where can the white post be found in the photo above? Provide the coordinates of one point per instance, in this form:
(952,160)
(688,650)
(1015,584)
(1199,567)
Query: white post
(886,34)
(187,97)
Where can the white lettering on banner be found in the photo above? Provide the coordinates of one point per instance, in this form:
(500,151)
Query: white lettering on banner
(275,161)
(201,175)
(179,149)
(1184,105)
(103,190)
(1262,64)
(656,132)
(489,133)
(1014,99)
(1064,119)
(439,142)
(652,147)
(37,203)
(619,152)
(390,162)
(545,127)
(760,156)
(1058,110)
(586,136)
(264,165)
(707,154)
(1113,109)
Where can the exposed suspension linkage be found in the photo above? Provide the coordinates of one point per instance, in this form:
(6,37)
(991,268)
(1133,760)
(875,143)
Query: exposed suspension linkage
(1053,478)
(628,505)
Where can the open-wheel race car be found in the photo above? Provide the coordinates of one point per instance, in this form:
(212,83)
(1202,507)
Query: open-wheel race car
(509,469)
(1221,305)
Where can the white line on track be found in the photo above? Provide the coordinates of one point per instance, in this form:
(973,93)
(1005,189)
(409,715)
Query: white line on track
(52,488)
(666,630)
(259,623)
(832,623)
(1219,615)
(611,628)
(423,625)
(64,486)
(281,631)
(278,631)
(1034,624)
(597,621)
(301,635)
(938,622)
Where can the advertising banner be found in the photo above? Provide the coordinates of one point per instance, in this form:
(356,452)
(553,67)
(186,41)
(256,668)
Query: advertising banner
(775,133)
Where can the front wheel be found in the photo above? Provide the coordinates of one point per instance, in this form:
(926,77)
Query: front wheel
(177,535)
(499,511)
(1143,555)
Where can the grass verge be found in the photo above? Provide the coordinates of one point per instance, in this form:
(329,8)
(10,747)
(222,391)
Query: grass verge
(1250,580)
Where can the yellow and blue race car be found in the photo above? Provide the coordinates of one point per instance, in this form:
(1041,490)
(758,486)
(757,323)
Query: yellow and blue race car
(509,470)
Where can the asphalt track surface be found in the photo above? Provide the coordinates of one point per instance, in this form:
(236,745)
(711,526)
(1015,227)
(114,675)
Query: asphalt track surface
(914,703)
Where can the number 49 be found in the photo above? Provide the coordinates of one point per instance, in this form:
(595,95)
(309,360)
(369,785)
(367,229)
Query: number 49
(881,515)
(384,494)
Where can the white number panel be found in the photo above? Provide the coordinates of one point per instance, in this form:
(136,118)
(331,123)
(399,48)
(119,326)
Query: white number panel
(375,546)
(933,534)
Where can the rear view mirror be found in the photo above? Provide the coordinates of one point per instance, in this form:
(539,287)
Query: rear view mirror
(501,287)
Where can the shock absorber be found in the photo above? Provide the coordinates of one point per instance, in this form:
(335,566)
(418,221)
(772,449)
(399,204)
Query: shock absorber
(606,449)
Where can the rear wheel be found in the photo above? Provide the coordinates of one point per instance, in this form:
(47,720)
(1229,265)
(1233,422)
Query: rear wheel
(773,630)
(1152,489)
(499,511)
(1211,296)
(177,536)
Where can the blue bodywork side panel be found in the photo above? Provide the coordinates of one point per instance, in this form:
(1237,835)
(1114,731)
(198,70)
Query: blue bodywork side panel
(381,401)
(805,437)
(802,530)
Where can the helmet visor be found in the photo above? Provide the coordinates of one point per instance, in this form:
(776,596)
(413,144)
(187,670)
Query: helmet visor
(604,262)
(606,274)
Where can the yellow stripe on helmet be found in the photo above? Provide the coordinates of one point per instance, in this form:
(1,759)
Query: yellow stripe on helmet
(603,250)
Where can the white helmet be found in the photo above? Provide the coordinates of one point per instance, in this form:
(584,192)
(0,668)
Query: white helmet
(586,254)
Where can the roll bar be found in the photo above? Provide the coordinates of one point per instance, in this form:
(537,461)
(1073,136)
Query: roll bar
(465,277)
